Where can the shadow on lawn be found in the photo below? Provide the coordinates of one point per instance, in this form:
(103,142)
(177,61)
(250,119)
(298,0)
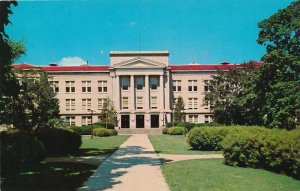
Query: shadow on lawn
(116,165)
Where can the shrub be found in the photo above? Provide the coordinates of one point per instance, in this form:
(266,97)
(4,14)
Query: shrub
(274,150)
(165,130)
(59,141)
(102,132)
(84,130)
(20,147)
(207,124)
(175,131)
(103,124)
(188,125)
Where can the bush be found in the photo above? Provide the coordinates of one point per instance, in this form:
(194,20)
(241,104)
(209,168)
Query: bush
(20,147)
(102,132)
(188,125)
(59,141)
(103,124)
(207,124)
(84,130)
(165,130)
(174,131)
(274,150)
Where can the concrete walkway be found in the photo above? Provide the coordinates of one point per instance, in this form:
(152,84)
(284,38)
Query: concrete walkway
(133,167)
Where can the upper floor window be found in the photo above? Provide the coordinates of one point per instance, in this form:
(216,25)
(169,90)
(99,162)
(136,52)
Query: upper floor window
(86,86)
(177,85)
(70,104)
(192,85)
(102,86)
(101,102)
(125,102)
(193,103)
(55,86)
(139,103)
(208,104)
(174,102)
(207,85)
(70,120)
(86,104)
(70,86)
(154,102)
(125,83)
(139,81)
(153,83)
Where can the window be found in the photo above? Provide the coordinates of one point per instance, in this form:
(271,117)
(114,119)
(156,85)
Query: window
(70,86)
(125,83)
(208,104)
(139,103)
(86,104)
(101,102)
(154,102)
(70,120)
(193,103)
(55,86)
(177,85)
(193,118)
(192,85)
(102,86)
(139,83)
(86,86)
(207,119)
(207,85)
(86,120)
(174,102)
(153,83)
(125,102)
(70,104)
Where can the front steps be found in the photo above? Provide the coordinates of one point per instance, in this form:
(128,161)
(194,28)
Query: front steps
(153,131)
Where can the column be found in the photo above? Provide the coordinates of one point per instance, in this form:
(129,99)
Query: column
(146,92)
(161,92)
(132,96)
(117,95)
(168,94)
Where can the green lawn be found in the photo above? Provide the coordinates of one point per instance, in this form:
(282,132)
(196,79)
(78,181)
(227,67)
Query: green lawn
(174,144)
(213,175)
(67,176)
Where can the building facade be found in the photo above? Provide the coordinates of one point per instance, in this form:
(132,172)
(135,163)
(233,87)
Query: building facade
(142,85)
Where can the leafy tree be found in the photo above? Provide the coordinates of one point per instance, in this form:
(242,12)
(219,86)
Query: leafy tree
(231,94)
(179,108)
(278,83)
(108,113)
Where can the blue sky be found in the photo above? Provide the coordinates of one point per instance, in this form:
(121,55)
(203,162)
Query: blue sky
(199,31)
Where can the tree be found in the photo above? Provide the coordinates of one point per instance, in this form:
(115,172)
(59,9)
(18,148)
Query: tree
(231,94)
(278,82)
(179,108)
(108,113)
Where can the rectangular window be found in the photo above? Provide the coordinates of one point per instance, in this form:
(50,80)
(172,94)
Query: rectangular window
(86,104)
(208,104)
(102,86)
(153,83)
(86,86)
(177,85)
(207,85)
(70,86)
(193,103)
(139,103)
(125,83)
(154,102)
(193,118)
(55,86)
(70,104)
(101,102)
(70,120)
(174,102)
(207,119)
(86,120)
(192,85)
(125,102)
(139,83)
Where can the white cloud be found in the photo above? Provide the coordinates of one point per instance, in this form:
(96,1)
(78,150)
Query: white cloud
(72,61)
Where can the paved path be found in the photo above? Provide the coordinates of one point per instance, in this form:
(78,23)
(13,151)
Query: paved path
(133,167)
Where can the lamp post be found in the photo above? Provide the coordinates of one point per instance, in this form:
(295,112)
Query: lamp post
(163,118)
(92,113)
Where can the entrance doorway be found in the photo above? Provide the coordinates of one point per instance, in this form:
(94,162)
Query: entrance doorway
(124,121)
(140,122)
(154,121)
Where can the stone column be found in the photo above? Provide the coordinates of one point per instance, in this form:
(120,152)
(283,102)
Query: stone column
(168,93)
(117,95)
(161,92)
(132,94)
(146,92)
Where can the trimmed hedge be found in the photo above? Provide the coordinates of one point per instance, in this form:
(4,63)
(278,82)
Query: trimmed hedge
(84,130)
(103,124)
(103,132)
(188,125)
(59,141)
(274,150)
(174,131)
(20,147)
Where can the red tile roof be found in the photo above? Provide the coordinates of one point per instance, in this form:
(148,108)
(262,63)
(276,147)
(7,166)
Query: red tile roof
(75,68)
(24,66)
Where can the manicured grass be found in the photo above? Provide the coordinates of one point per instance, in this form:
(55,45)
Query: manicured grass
(67,176)
(213,175)
(174,144)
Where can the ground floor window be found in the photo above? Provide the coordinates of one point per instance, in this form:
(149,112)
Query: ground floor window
(86,120)
(208,119)
(193,118)
(70,120)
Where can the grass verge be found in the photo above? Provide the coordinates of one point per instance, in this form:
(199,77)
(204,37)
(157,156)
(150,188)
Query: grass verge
(175,144)
(214,175)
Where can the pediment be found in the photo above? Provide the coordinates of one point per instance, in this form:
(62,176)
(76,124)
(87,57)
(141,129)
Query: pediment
(139,62)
